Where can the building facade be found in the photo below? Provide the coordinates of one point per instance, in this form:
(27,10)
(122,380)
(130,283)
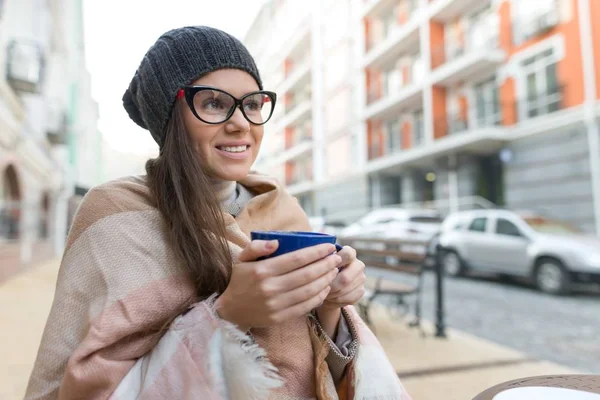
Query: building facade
(449,103)
(48,128)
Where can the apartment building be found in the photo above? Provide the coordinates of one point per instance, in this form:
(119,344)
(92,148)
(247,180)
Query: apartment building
(451,103)
(48,135)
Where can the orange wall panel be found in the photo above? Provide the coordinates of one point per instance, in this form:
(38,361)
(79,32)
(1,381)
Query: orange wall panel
(570,70)
(463,108)
(436,31)
(406,135)
(288,99)
(507,102)
(504,15)
(439,111)
(595,17)
(289,137)
(402,13)
(367,32)
(289,172)
(288,67)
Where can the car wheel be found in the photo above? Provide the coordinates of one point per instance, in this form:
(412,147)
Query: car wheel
(552,277)
(452,263)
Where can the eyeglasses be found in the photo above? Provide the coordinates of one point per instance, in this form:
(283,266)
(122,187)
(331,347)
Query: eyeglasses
(215,106)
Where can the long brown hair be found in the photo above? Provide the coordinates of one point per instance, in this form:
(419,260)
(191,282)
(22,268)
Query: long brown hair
(191,210)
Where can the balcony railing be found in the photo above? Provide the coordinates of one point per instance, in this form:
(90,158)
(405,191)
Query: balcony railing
(533,26)
(380,92)
(299,137)
(507,114)
(448,53)
(375,151)
(300,99)
(373,41)
(25,66)
(544,103)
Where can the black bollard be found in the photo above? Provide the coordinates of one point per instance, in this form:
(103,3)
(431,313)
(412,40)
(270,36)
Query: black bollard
(440,327)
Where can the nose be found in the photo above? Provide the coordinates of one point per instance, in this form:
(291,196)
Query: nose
(238,122)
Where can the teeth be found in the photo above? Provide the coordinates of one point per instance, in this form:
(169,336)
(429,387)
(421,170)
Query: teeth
(235,149)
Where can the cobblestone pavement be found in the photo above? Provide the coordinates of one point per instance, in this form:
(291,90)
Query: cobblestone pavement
(564,330)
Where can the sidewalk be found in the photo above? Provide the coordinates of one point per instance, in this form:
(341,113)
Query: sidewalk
(456,368)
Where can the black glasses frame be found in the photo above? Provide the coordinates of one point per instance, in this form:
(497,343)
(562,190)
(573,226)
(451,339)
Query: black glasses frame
(191,91)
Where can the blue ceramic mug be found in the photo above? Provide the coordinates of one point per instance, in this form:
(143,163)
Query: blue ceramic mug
(291,241)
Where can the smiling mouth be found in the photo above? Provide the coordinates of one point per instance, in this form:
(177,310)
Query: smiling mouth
(233,149)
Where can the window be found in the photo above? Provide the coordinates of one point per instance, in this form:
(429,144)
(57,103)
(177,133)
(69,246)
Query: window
(478,225)
(393,140)
(418,69)
(487,103)
(542,89)
(392,81)
(418,134)
(505,227)
(426,220)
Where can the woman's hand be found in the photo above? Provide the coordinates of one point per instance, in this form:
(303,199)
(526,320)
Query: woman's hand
(271,291)
(347,289)
(349,286)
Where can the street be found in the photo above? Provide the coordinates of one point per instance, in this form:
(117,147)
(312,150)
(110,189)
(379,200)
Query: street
(563,330)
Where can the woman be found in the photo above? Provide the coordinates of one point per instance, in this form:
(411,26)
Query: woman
(161,293)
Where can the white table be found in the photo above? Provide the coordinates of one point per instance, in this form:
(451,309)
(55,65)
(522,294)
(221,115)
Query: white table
(545,393)
(547,387)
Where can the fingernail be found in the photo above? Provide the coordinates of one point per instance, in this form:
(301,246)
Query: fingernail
(271,244)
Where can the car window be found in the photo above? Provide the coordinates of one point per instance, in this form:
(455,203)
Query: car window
(478,225)
(505,227)
(426,219)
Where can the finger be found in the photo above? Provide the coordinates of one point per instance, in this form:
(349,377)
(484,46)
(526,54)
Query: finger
(303,293)
(288,262)
(351,298)
(358,282)
(348,255)
(257,249)
(302,308)
(305,275)
(347,276)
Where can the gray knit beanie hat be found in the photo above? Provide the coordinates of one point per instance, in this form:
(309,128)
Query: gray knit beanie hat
(178,58)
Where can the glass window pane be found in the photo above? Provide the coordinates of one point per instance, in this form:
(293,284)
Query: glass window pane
(496,104)
(505,227)
(531,86)
(478,225)
(551,79)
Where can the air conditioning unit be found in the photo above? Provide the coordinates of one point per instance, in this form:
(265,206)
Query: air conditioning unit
(546,21)
(25,66)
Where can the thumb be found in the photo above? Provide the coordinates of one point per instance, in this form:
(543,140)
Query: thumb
(257,249)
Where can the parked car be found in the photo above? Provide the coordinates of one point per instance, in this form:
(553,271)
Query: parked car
(397,223)
(551,253)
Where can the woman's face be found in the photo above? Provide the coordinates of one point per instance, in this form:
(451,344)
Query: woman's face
(221,146)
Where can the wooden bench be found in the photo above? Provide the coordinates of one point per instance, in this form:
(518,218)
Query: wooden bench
(395,255)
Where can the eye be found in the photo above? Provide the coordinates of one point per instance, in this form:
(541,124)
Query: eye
(252,105)
(213,104)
